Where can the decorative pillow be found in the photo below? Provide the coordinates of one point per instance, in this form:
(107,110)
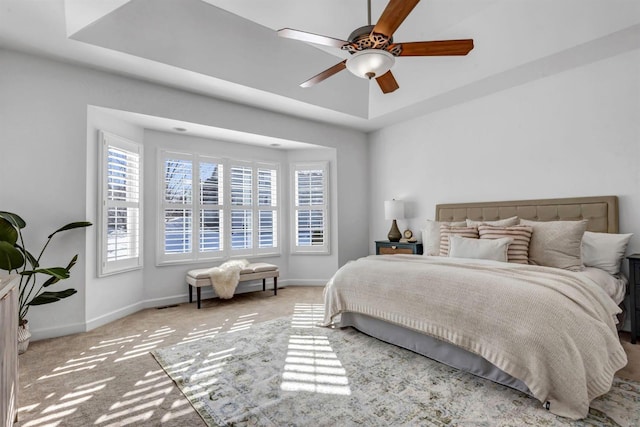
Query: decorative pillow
(498,223)
(556,243)
(447,230)
(604,251)
(521,235)
(431,236)
(494,249)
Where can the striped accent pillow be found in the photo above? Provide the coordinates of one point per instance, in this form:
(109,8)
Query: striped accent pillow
(447,230)
(518,251)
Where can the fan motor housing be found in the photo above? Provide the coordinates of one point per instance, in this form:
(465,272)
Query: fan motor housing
(362,38)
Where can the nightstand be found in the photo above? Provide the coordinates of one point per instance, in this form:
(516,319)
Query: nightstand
(385,247)
(634,294)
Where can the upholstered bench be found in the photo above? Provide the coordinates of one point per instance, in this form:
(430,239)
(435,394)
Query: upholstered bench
(259,270)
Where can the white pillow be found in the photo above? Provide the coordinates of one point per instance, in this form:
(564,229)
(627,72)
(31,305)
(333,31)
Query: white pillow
(604,251)
(431,236)
(494,249)
(507,222)
(556,243)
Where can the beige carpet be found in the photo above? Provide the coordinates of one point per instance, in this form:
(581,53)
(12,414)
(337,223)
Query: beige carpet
(107,377)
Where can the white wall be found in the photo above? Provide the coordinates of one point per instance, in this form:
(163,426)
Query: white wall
(575,133)
(47,128)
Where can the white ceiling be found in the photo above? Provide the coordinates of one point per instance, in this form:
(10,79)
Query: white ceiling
(229,48)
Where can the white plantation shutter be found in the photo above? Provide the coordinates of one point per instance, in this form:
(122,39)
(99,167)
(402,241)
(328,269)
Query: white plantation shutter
(214,209)
(120,221)
(268,208)
(177,205)
(211,184)
(310,208)
(241,209)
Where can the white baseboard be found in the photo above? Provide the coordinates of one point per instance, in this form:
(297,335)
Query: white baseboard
(114,315)
(106,318)
(57,331)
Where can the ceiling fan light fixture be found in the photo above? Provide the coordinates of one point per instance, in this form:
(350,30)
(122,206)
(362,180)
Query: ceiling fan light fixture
(370,63)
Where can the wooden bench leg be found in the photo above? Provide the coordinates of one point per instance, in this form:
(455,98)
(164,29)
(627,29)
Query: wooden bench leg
(190,294)
(275,286)
(264,285)
(198,296)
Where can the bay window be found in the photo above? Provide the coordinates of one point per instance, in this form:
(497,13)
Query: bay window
(234,211)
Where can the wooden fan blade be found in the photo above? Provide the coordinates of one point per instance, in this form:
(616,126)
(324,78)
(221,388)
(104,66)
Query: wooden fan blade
(387,82)
(393,15)
(437,48)
(310,37)
(325,74)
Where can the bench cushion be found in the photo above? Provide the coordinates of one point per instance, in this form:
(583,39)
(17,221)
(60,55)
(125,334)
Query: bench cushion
(258,267)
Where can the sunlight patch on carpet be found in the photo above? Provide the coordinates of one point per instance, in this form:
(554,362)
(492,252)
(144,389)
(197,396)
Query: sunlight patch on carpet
(307,316)
(311,365)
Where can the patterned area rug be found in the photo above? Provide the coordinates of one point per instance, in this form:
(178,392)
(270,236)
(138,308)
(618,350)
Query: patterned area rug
(289,372)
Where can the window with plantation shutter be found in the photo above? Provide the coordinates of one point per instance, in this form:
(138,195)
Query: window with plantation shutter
(310,208)
(211,206)
(267,208)
(215,209)
(241,209)
(120,243)
(177,206)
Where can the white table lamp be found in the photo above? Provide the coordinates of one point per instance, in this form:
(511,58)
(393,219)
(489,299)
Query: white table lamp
(393,210)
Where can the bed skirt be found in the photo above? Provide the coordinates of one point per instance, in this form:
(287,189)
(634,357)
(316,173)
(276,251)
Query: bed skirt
(433,348)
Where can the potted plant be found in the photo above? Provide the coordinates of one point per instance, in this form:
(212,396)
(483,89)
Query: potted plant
(14,256)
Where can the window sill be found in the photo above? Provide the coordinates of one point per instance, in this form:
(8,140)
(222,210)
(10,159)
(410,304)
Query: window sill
(323,253)
(218,260)
(119,271)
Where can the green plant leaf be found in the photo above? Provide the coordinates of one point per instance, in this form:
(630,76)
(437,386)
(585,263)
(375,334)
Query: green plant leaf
(58,272)
(10,257)
(72,262)
(32,260)
(13,219)
(50,281)
(49,297)
(8,233)
(70,226)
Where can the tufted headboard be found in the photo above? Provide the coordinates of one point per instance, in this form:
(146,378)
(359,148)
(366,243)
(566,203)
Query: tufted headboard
(601,211)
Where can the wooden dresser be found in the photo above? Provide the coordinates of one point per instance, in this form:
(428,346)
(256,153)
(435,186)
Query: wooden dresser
(8,350)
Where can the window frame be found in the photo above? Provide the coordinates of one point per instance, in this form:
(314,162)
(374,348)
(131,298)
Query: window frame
(106,267)
(220,207)
(325,248)
(163,205)
(276,249)
(227,252)
(236,253)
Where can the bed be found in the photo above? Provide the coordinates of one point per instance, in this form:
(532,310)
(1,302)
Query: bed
(548,332)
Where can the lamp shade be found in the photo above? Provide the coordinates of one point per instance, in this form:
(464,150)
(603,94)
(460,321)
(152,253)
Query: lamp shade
(370,63)
(393,209)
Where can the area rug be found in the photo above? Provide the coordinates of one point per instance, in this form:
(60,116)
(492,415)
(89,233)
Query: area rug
(284,372)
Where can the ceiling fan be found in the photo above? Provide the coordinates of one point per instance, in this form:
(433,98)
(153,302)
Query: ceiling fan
(373,50)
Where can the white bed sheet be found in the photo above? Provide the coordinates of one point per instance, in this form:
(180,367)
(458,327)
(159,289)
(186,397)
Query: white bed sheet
(614,286)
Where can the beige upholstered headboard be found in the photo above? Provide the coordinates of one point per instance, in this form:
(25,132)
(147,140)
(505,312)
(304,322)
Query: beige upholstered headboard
(601,211)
